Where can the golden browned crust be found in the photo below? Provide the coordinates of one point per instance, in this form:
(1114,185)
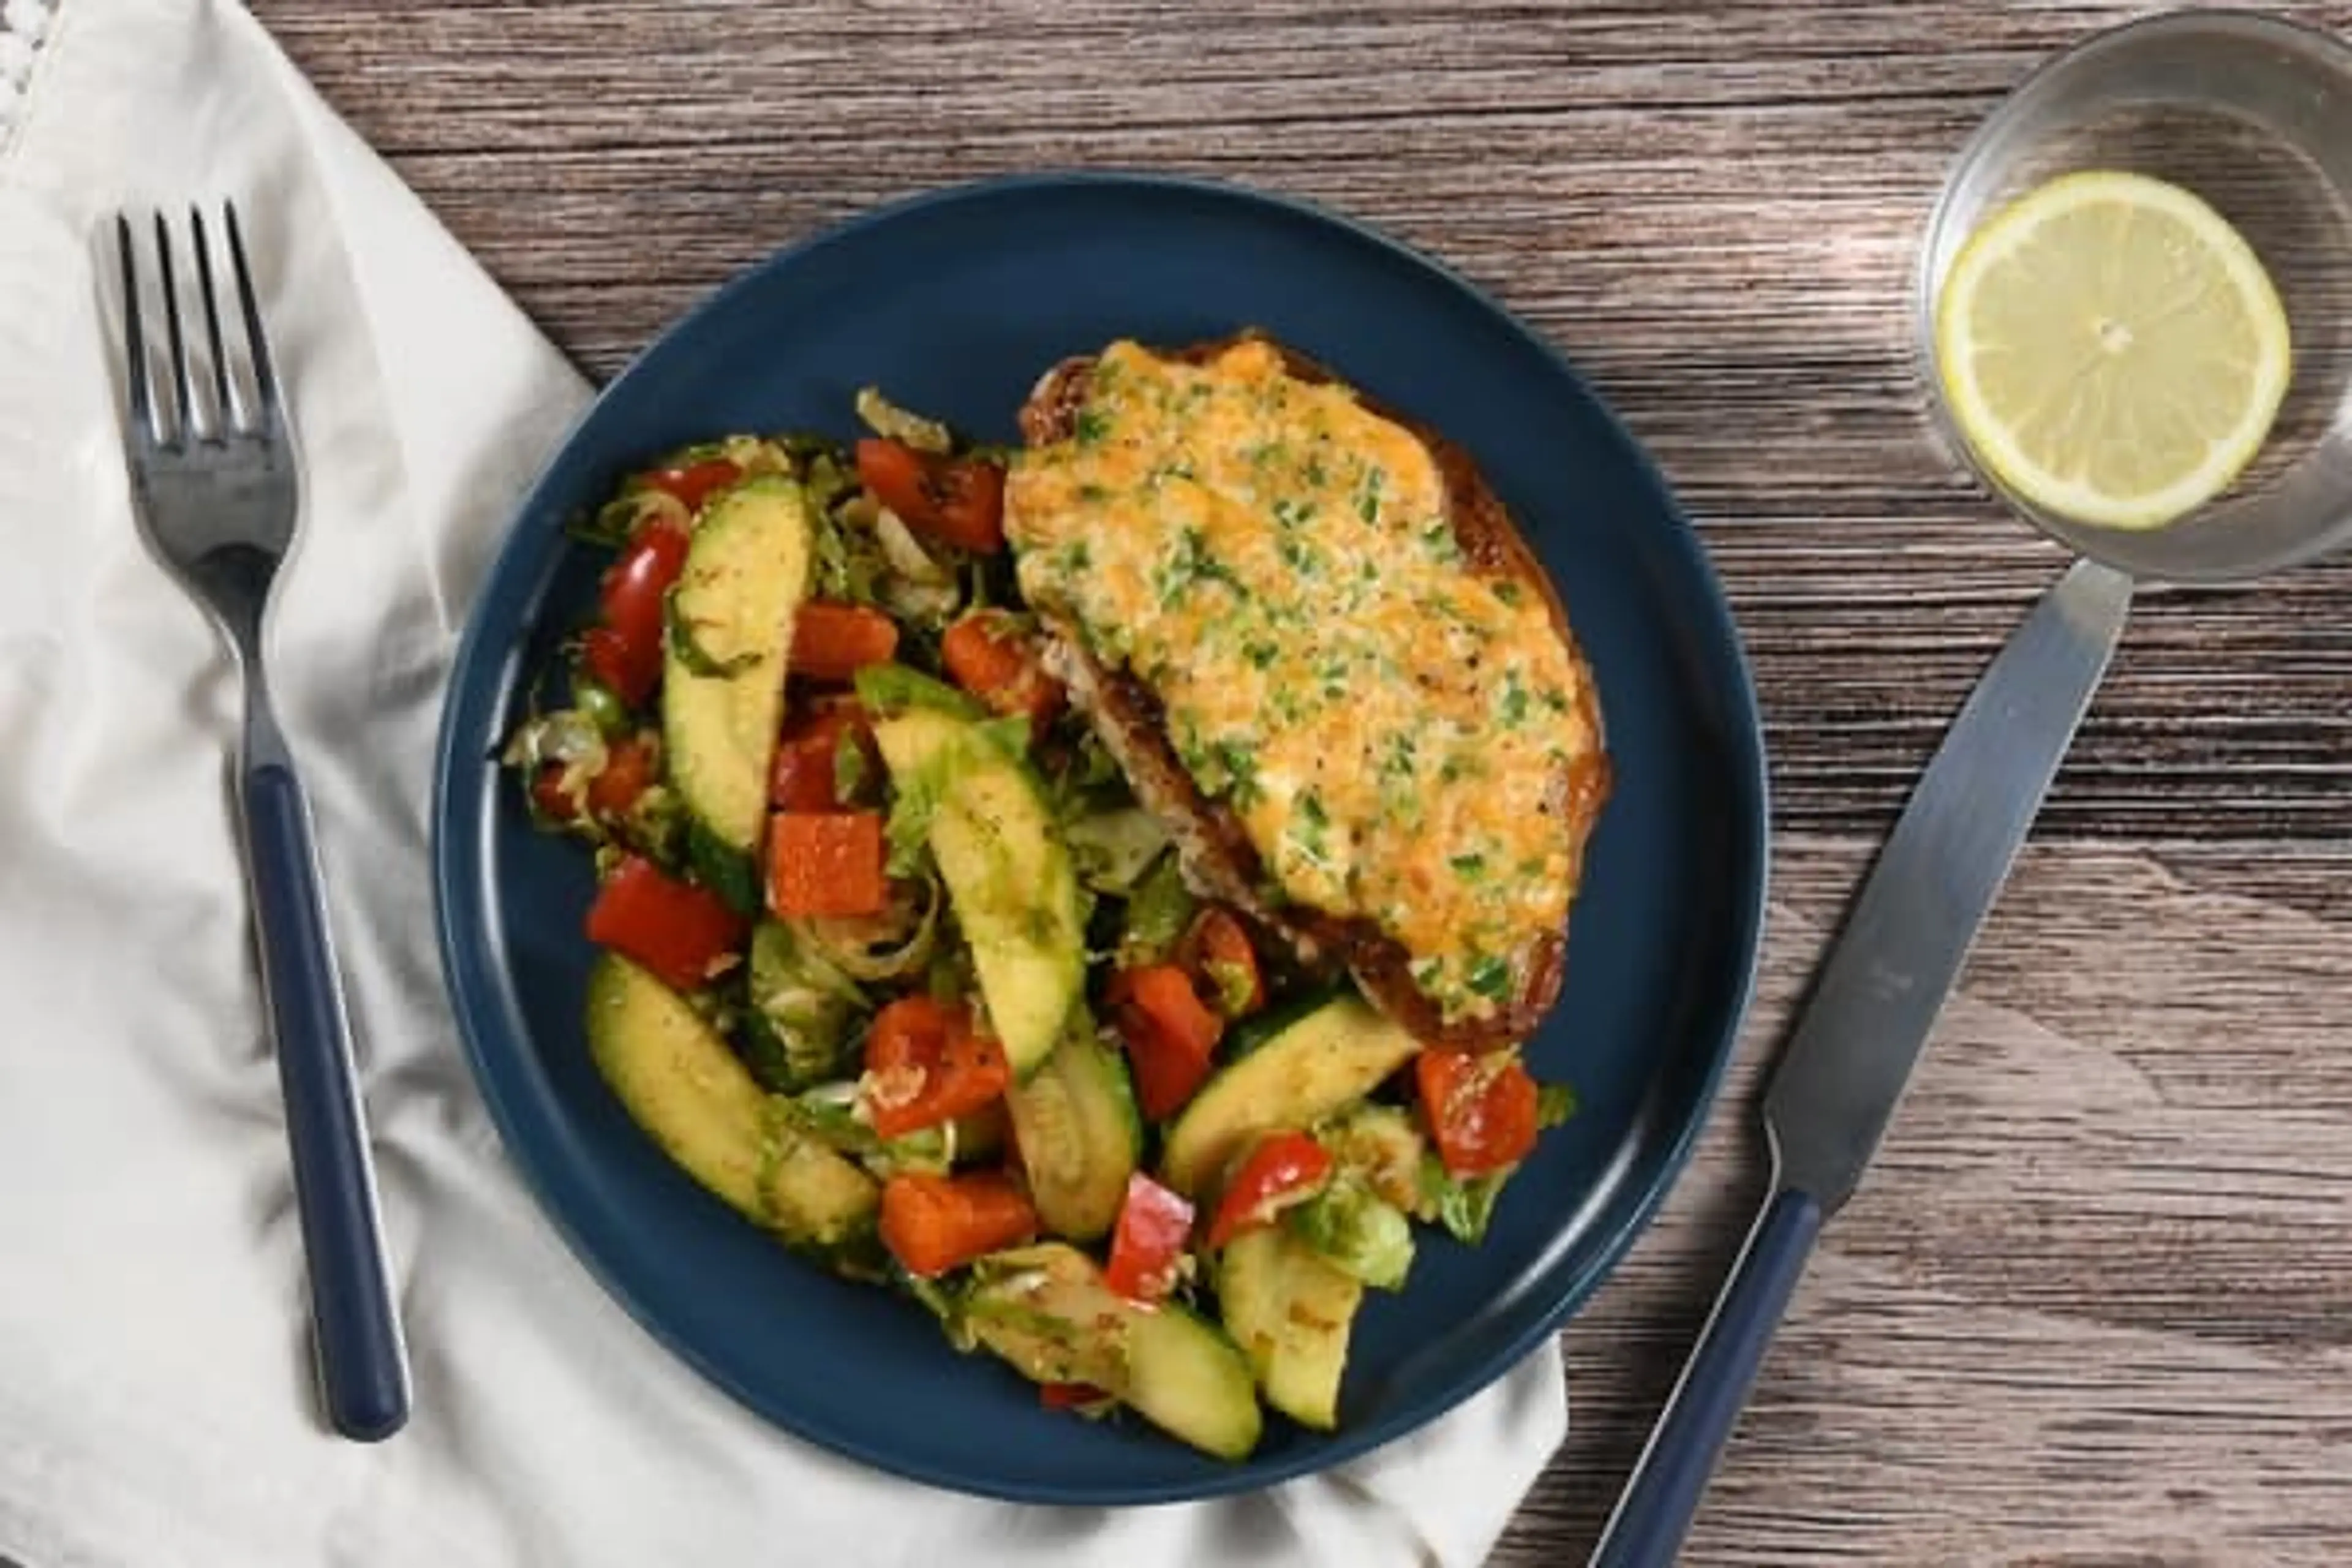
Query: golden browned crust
(1218,856)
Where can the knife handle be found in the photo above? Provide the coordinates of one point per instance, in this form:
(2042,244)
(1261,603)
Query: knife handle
(1651,1518)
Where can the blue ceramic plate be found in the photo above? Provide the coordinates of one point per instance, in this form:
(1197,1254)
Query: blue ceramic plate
(955,303)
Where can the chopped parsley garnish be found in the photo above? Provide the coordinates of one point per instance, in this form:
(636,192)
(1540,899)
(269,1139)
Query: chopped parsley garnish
(1190,563)
(1300,556)
(1490,977)
(1471,865)
(1512,706)
(1091,426)
(1313,824)
(1093,493)
(1190,750)
(1261,655)
(1368,505)
(1439,537)
(1313,473)
(1241,769)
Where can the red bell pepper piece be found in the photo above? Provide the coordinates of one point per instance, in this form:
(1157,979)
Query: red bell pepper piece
(933,1224)
(1280,1170)
(1147,1247)
(926,1064)
(1169,1034)
(680,932)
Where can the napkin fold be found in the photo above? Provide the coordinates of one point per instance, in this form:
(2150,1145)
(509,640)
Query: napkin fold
(155,1385)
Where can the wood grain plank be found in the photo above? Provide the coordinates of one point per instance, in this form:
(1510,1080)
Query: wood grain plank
(1713,212)
(2091,1308)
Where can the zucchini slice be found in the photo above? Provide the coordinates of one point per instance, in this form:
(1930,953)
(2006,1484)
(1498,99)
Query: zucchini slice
(677,1081)
(1291,1311)
(1009,876)
(723,663)
(1324,1061)
(1080,1136)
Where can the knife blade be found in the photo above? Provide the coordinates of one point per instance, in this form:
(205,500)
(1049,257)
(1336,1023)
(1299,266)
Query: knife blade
(1873,1009)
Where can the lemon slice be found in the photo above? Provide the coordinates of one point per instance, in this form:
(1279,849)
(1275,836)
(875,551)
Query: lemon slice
(2112,349)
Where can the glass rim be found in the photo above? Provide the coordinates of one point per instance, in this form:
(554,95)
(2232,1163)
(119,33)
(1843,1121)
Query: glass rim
(1941,242)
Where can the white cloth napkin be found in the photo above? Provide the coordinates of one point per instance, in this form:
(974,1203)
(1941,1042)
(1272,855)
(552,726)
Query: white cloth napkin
(155,1400)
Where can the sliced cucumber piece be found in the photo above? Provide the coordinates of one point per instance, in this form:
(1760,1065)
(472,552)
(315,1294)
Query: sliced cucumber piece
(1290,1311)
(679,1081)
(1009,876)
(1185,1377)
(1334,1056)
(1045,1311)
(730,629)
(1079,1134)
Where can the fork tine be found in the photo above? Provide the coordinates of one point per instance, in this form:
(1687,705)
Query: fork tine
(265,378)
(182,386)
(231,417)
(135,377)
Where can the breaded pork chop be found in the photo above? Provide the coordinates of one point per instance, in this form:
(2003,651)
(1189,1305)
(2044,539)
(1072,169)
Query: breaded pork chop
(1311,635)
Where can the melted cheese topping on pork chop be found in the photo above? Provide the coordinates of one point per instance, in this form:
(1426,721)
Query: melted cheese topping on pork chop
(1395,732)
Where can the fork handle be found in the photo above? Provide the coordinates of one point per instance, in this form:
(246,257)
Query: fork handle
(362,1364)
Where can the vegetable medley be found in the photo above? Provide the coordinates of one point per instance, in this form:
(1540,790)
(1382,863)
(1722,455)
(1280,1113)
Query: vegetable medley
(893,961)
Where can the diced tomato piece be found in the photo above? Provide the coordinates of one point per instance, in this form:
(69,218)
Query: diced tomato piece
(1069,1395)
(1148,1245)
(627,772)
(913,1029)
(1482,1109)
(547,793)
(933,1224)
(679,932)
(629,669)
(926,1064)
(625,651)
(958,499)
(692,484)
(1169,1034)
(1218,952)
(806,774)
(834,641)
(1281,1169)
(827,863)
(987,654)
(801,778)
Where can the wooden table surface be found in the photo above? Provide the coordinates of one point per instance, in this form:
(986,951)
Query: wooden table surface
(2094,1305)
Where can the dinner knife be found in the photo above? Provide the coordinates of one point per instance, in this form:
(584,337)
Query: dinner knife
(1872,1010)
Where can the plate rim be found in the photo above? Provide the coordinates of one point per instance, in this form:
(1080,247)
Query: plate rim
(1747,916)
